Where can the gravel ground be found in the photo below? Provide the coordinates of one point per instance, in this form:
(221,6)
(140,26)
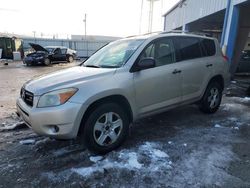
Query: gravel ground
(179,148)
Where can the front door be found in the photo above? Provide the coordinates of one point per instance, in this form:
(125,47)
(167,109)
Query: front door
(158,87)
(57,56)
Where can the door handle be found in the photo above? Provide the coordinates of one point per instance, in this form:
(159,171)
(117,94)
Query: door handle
(209,65)
(176,71)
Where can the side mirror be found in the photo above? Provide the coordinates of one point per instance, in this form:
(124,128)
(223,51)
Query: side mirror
(145,63)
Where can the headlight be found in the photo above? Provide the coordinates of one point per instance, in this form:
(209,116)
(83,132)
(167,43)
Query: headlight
(56,98)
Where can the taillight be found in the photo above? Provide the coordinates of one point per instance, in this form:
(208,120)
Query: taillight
(225,58)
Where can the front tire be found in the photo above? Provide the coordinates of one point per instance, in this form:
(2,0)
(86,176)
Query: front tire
(211,99)
(106,128)
(47,61)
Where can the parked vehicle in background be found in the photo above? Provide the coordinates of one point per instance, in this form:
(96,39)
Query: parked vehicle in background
(124,81)
(244,65)
(49,54)
(9,45)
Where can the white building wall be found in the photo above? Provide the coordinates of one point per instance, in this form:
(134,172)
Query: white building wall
(191,10)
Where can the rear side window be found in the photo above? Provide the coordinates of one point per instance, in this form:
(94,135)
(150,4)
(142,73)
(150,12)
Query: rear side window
(209,47)
(188,48)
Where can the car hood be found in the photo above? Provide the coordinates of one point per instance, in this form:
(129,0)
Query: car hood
(66,78)
(37,47)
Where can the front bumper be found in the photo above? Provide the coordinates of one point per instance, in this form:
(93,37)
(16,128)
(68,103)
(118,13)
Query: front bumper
(33,61)
(60,122)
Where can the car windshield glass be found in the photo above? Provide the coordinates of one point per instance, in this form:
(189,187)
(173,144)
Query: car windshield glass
(114,55)
(50,50)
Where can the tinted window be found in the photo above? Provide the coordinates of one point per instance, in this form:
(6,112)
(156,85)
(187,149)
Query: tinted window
(208,46)
(188,48)
(57,51)
(161,50)
(50,50)
(63,50)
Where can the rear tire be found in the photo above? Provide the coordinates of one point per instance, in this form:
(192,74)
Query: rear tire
(211,99)
(106,128)
(70,59)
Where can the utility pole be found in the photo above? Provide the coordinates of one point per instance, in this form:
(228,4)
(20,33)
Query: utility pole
(151,15)
(85,24)
(34,33)
(141,17)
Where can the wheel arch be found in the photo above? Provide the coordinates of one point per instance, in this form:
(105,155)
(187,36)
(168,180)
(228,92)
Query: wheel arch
(219,79)
(117,99)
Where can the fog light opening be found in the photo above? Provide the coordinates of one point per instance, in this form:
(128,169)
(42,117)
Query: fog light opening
(55,129)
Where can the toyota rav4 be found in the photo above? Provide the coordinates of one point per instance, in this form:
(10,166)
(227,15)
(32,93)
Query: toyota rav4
(124,81)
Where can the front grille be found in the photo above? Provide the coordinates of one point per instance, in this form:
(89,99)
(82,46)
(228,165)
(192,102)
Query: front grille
(27,97)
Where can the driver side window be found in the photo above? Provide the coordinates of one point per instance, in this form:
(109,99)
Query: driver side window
(57,51)
(161,50)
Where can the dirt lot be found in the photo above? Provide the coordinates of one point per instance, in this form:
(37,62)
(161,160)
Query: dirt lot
(179,148)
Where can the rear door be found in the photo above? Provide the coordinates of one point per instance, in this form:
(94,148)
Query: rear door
(160,86)
(196,69)
(63,54)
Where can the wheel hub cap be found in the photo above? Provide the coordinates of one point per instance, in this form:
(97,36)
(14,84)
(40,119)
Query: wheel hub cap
(213,98)
(107,129)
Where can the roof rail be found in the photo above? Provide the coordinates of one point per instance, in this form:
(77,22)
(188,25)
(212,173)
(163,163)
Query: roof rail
(186,32)
(155,32)
(172,31)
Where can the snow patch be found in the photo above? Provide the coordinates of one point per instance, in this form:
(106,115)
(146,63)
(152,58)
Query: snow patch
(129,160)
(133,162)
(87,171)
(43,141)
(5,126)
(161,154)
(217,126)
(60,152)
(246,99)
(28,141)
(208,170)
(170,142)
(95,158)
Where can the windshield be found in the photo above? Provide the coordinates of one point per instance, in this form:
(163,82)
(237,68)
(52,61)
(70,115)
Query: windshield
(50,50)
(114,54)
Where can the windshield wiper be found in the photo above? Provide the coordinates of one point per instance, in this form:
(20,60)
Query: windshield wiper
(109,66)
(94,66)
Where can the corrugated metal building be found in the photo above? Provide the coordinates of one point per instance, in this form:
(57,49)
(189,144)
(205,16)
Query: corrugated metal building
(228,20)
(191,10)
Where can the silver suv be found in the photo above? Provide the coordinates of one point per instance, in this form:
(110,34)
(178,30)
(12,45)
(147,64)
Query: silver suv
(124,81)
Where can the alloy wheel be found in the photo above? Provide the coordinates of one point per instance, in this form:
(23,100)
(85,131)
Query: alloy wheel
(107,129)
(213,98)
